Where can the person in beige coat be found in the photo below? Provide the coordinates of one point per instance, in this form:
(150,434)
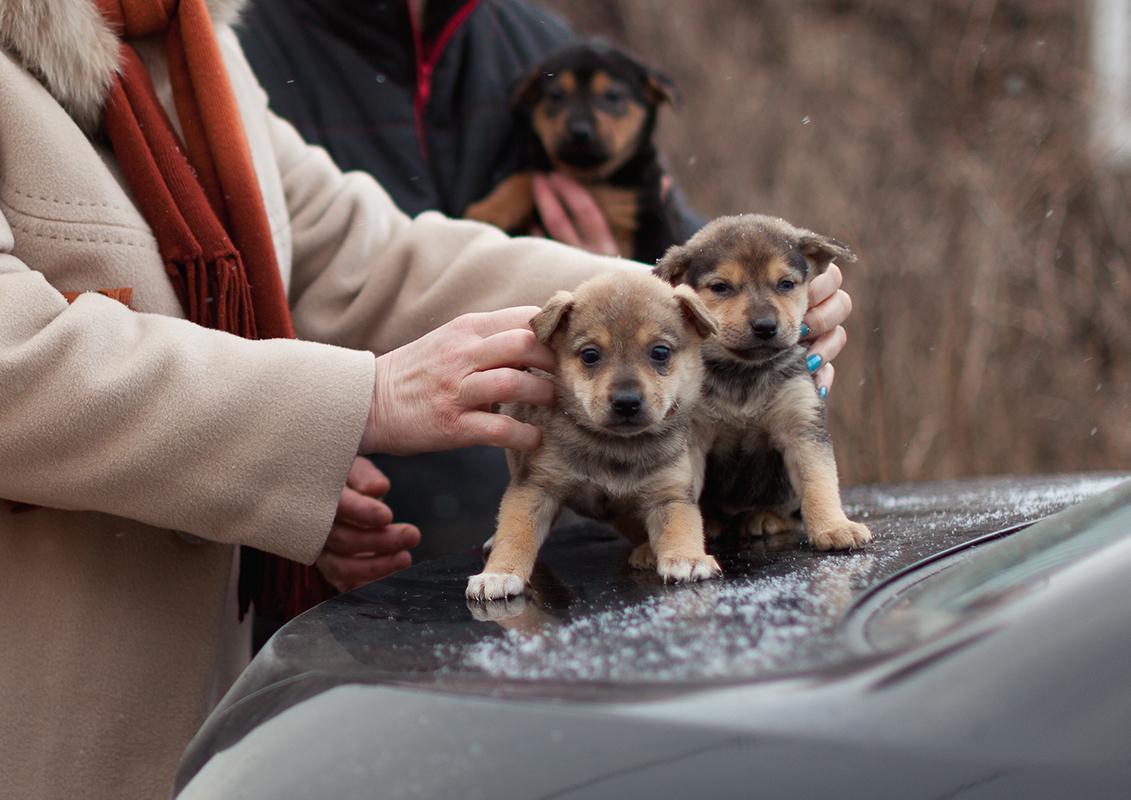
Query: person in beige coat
(152,446)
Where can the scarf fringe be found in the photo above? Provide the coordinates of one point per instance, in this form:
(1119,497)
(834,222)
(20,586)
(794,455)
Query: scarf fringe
(215,293)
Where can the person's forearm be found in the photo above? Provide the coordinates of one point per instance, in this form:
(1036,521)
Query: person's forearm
(162,421)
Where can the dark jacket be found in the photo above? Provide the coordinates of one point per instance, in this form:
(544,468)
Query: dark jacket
(430,121)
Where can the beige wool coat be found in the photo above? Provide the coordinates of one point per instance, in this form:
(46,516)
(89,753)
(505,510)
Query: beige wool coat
(132,428)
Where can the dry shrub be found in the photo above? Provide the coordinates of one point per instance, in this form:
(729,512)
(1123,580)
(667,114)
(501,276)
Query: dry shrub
(947,141)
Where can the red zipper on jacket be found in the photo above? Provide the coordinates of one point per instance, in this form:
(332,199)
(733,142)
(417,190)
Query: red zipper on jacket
(427,57)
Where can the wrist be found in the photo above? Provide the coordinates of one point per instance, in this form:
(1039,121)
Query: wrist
(370,436)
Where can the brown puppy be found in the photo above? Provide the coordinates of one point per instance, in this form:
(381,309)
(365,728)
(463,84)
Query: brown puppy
(763,424)
(616,446)
(590,109)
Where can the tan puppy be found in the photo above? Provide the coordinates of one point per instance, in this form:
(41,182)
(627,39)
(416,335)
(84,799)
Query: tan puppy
(616,446)
(763,423)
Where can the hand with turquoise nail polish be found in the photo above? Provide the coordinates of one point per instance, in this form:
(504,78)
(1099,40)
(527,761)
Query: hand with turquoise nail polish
(823,327)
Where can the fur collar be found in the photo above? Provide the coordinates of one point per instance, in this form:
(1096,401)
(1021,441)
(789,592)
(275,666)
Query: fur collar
(71,49)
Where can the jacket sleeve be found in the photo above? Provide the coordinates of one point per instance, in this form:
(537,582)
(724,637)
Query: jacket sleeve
(365,275)
(156,419)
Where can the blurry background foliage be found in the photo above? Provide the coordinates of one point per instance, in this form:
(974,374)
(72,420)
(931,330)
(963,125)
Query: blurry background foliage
(952,144)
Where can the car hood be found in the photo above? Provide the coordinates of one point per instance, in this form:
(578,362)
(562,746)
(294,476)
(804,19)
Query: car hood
(594,631)
(593,627)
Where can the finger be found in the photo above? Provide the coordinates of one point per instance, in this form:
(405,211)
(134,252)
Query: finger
(517,347)
(825,317)
(488,323)
(824,378)
(362,511)
(349,573)
(554,217)
(828,347)
(348,541)
(824,286)
(499,430)
(367,479)
(589,221)
(480,389)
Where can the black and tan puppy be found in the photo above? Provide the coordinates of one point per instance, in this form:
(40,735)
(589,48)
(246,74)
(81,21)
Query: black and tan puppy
(591,110)
(615,447)
(763,425)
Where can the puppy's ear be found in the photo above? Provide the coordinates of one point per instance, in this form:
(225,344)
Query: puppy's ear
(527,90)
(659,88)
(820,250)
(673,266)
(693,310)
(552,316)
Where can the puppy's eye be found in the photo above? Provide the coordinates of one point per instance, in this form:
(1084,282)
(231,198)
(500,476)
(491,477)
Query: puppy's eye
(786,285)
(661,354)
(555,95)
(589,356)
(613,96)
(720,288)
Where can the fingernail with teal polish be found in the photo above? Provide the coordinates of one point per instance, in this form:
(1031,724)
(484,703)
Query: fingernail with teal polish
(813,362)
(804,330)
(823,392)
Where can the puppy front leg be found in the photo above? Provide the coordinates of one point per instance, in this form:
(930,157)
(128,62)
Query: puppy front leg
(796,418)
(675,530)
(812,469)
(525,516)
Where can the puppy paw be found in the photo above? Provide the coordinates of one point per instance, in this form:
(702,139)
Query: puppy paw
(845,536)
(687,570)
(766,523)
(494,586)
(642,557)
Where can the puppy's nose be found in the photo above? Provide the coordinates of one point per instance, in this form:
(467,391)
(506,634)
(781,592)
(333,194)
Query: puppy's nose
(580,132)
(626,403)
(765,327)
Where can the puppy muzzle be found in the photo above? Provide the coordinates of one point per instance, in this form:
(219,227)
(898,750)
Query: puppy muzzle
(581,148)
(627,414)
(754,351)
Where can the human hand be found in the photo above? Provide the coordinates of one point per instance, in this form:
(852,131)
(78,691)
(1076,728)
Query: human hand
(436,393)
(829,307)
(570,215)
(364,543)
